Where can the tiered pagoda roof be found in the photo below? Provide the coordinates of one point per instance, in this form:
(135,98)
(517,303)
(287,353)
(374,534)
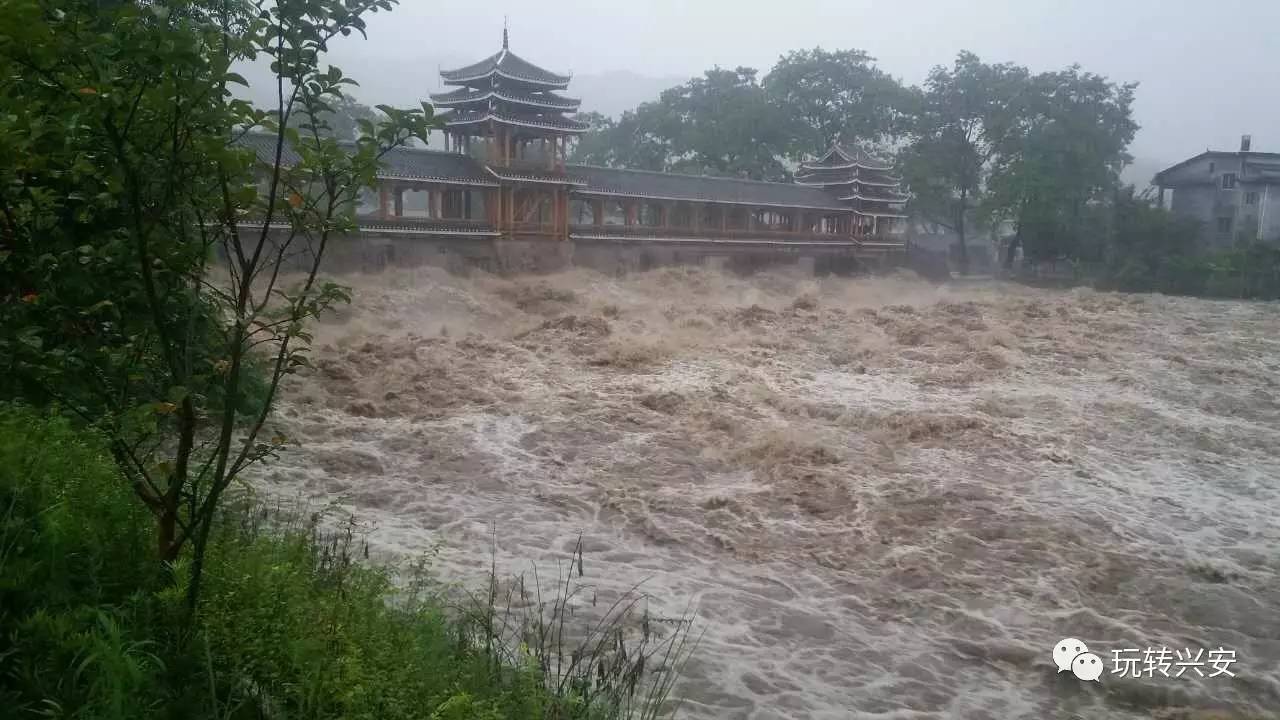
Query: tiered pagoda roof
(508,90)
(857,178)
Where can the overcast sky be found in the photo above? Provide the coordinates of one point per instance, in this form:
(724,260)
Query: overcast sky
(1209,70)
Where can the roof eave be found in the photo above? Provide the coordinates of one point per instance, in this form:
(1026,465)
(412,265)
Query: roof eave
(676,198)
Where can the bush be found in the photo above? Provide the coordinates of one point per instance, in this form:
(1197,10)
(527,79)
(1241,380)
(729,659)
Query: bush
(293,623)
(76,556)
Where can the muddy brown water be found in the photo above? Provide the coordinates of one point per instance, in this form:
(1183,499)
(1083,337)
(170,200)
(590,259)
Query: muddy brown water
(880,498)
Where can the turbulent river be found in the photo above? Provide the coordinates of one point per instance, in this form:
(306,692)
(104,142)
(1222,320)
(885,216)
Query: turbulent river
(879,498)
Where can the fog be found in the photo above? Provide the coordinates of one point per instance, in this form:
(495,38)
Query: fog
(1209,72)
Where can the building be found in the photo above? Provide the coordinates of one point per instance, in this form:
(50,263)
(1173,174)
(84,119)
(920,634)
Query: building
(503,192)
(869,185)
(1234,195)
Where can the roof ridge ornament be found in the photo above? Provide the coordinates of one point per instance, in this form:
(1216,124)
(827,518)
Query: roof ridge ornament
(506,38)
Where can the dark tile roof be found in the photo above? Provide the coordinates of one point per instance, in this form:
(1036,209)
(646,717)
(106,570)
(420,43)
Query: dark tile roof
(507,64)
(671,186)
(418,164)
(838,158)
(264,146)
(519,174)
(541,122)
(878,194)
(432,165)
(401,163)
(465,96)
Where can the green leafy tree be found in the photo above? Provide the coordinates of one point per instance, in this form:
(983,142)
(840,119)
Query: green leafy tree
(836,96)
(722,124)
(966,114)
(628,142)
(126,174)
(1067,153)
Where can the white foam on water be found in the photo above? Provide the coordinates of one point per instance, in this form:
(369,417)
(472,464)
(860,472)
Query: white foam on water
(887,504)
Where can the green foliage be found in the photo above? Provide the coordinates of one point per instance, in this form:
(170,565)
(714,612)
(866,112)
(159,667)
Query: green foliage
(630,142)
(1066,157)
(75,556)
(722,123)
(967,113)
(293,624)
(124,178)
(838,96)
(728,123)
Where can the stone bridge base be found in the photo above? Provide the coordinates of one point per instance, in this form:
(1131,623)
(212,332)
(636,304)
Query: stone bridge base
(373,252)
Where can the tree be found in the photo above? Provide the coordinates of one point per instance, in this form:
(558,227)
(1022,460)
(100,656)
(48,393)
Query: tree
(719,124)
(627,143)
(125,174)
(835,96)
(1067,153)
(723,124)
(966,114)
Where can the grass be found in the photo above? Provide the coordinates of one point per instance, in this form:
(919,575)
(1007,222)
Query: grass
(294,621)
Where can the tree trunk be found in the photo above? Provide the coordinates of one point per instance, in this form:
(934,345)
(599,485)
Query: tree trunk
(1017,239)
(964,250)
(1014,244)
(167,535)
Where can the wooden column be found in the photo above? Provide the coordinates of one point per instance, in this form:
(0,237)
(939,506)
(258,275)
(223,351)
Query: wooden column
(437,203)
(597,212)
(724,219)
(565,208)
(399,201)
(696,221)
(384,201)
(631,212)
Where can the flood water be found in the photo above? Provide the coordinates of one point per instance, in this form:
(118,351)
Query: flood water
(880,498)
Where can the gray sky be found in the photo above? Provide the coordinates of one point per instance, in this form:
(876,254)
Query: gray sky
(1209,69)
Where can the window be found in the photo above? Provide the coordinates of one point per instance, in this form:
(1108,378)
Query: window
(650,214)
(369,202)
(1228,181)
(681,216)
(581,212)
(1251,198)
(712,216)
(415,203)
(614,213)
(1212,166)
(1224,225)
